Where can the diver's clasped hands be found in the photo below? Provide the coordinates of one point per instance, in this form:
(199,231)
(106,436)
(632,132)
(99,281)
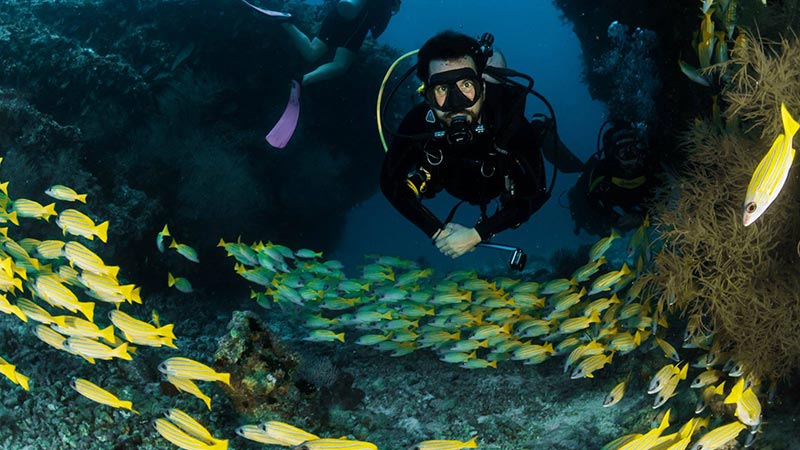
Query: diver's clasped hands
(454,240)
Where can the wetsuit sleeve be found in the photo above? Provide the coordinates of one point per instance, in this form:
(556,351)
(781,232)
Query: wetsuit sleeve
(530,184)
(380,15)
(403,156)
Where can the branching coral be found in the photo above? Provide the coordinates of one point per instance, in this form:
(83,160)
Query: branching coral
(765,74)
(740,282)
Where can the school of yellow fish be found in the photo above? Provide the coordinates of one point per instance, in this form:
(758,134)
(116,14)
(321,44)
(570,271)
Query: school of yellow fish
(58,288)
(397,307)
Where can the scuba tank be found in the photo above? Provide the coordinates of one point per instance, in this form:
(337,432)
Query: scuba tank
(349,9)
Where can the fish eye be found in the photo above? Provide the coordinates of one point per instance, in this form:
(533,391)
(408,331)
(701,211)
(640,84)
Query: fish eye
(696,380)
(750,208)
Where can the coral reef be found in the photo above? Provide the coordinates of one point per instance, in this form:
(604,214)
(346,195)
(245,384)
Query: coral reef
(738,282)
(261,368)
(162,107)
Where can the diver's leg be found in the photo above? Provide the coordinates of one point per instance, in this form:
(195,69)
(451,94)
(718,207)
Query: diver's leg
(309,50)
(342,61)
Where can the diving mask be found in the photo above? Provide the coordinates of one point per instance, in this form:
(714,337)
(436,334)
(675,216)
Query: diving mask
(454,90)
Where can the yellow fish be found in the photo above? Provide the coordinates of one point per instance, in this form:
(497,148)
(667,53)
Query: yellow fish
(256,434)
(182,439)
(324,336)
(719,436)
(335,444)
(188,386)
(287,434)
(160,238)
(770,174)
(97,394)
(748,407)
(185,251)
(33,210)
(616,393)
(191,426)
(178,366)
(180,283)
(10,371)
(446,444)
(67,194)
(77,223)
(8,308)
(89,348)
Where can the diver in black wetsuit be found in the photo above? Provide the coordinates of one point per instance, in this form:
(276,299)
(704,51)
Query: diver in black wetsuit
(617,181)
(485,148)
(342,31)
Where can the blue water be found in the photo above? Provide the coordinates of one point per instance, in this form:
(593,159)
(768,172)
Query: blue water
(535,40)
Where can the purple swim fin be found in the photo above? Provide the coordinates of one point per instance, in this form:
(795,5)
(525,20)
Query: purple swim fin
(280,134)
(270,13)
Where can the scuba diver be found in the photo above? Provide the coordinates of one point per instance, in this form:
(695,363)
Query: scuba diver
(618,178)
(471,138)
(342,31)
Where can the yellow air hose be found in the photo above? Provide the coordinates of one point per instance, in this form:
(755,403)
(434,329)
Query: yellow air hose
(380,95)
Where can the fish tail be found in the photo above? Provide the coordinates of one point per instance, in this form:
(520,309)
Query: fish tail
(472,443)
(170,279)
(22,380)
(49,210)
(102,231)
(108,333)
(122,352)
(225,378)
(81,198)
(221,242)
(790,125)
(18,312)
(87,308)
(166,331)
(12,217)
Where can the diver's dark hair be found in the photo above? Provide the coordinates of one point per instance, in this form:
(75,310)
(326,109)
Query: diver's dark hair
(448,45)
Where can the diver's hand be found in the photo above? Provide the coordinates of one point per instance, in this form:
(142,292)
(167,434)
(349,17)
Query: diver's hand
(455,240)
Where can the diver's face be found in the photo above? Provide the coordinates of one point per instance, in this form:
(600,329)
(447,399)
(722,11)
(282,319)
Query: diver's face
(467,86)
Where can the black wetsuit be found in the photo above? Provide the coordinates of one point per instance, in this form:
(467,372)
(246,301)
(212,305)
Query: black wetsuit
(476,172)
(605,191)
(337,31)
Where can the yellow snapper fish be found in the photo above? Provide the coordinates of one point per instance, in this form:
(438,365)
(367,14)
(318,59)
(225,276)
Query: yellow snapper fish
(97,394)
(324,336)
(188,386)
(287,434)
(67,194)
(49,288)
(748,407)
(7,308)
(77,223)
(617,392)
(33,210)
(191,426)
(10,372)
(79,255)
(591,364)
(335,444)
(256,434)
(50,249)
(75,326)
(771,173)
(601,246)
(37,313)
(443,444)
(605,281)
(182,439)
(180,283)
(185,251)
(91,349)
(179,366)
(719,437)
(160,238)
(647,440)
